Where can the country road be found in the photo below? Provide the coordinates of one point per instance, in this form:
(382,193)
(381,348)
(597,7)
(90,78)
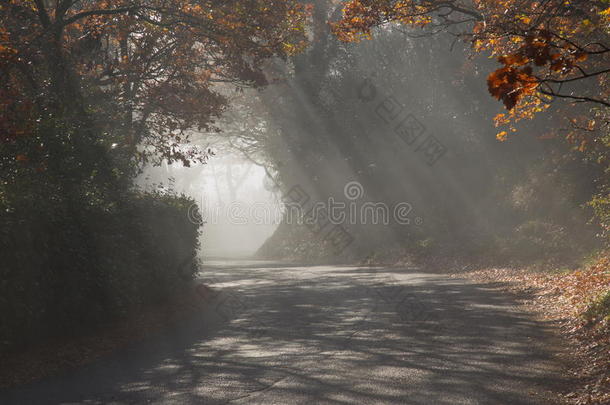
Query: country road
(287,334)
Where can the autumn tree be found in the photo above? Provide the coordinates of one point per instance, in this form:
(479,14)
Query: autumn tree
(547,49)
(90,91)
(141,72)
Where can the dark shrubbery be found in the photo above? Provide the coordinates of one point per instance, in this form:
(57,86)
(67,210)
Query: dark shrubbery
(70,266)
(79,246)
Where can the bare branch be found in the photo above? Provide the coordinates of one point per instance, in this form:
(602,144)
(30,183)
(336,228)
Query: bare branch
(42,13)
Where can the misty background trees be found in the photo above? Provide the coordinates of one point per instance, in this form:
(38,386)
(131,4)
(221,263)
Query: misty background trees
(330,114)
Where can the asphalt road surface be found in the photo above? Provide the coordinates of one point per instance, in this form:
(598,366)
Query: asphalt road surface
(285,334)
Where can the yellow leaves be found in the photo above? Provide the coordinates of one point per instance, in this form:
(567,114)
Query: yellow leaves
(190,8)
(526,108)
(501,119)
(418,21)
(293,48)
(360,16)
(605,15)
(502,136)
(357,21)
(289,49)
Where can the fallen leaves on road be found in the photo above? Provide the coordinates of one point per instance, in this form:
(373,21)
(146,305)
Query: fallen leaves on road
(564,297)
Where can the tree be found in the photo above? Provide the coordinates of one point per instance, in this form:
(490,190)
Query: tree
(141,72)
(548,49)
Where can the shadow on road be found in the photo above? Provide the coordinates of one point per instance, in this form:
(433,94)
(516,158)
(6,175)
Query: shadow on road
(333,335)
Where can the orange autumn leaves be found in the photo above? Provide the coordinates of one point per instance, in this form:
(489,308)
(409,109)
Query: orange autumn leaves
(541,45)
(360,16)
(510,83)
(6,51)
(153,62)
(516,79)
(516,85)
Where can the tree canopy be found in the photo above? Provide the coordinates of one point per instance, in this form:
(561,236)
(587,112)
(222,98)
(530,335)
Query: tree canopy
(147,68)
(546,49)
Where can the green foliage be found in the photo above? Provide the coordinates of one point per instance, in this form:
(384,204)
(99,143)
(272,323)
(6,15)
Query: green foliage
(79,246)
(601,206)
(71,261)
(533,238)
(599,154)
(599,309)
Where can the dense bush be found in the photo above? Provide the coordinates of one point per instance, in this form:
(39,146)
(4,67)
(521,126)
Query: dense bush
(598,310)
(69,266)
(533,238)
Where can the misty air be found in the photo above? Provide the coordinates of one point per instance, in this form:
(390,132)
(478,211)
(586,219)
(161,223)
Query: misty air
(304,202)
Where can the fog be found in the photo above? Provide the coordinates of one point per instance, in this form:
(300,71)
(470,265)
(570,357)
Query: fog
(238,210)
(405,124)
(304,201)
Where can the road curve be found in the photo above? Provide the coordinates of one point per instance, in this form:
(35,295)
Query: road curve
(287,334)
